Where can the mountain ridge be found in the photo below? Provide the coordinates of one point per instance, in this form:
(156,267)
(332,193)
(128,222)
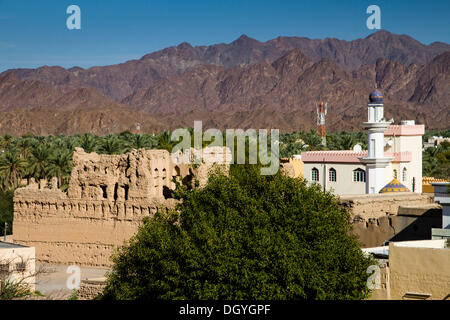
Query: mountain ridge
(251,85)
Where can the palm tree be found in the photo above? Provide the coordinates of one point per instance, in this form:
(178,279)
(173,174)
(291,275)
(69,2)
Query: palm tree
(38,163)
(110,145)
(138,141)
(70,143)
(431,151)
(153,140)
(40,139)
(12,167)
(347,141)
(88,143)
(6,141)
(312,139)
(61,166)
(165,142)
(24,145)
(2,184)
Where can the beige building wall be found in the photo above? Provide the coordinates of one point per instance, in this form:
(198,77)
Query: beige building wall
(414,167)
(80,232)
(344,181)
(424,272)
(12,256)
(299,167)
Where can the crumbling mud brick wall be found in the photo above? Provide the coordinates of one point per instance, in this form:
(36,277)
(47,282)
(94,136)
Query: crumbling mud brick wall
(90,288)
(392,217)
(108,197)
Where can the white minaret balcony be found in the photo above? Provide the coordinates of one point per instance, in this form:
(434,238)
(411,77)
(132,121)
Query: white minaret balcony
(375,161)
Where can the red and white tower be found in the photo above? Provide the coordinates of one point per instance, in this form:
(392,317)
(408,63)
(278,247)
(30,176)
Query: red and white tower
(321,113)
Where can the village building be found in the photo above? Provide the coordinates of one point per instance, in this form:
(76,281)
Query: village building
(394,153)
(411,270)
(17,264)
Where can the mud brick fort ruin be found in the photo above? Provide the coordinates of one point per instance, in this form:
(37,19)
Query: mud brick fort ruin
(109,195)
(107,198)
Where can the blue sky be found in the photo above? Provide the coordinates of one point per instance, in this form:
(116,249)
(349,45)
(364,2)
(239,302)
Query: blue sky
(34,33)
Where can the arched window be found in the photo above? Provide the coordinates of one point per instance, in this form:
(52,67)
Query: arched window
(315,174)
(395,174)
(332,174)
(404,174)
(359,175)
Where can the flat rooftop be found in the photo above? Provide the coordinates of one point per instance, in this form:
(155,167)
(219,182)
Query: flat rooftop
(383,251)
(9,245)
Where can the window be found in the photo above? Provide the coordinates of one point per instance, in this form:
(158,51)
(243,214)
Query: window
(404,174)
(315,174)
(395,174)
(104,193)
(125,189)
(21,266)
(332,175)
(359,175)
(116,186)
(4,267)
(416,296)
(372,152)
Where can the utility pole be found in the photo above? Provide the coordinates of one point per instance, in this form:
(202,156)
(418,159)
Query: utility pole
(324,176)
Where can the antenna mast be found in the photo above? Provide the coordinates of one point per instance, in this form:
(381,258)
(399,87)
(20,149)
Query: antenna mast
(321,113)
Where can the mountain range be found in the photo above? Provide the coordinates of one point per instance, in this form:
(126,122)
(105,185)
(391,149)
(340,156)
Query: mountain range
(243,84)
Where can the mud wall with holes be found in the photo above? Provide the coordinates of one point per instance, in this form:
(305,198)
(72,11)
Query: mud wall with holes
(91,288)
(107,199)
(392,217)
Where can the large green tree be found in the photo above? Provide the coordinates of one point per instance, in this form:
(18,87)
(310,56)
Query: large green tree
(245,236)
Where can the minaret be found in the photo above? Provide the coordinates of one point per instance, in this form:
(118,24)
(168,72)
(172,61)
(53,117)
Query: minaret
(321,113)
(375,161)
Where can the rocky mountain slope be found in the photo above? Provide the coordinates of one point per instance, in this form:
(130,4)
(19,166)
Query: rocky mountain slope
(243,84)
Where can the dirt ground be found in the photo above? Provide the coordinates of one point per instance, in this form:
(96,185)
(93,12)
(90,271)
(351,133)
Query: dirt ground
(53,281)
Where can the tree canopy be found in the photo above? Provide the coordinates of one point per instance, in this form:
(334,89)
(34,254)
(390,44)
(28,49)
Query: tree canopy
(436,161)
(245,236)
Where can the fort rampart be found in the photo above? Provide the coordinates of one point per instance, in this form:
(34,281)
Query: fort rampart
(108,197)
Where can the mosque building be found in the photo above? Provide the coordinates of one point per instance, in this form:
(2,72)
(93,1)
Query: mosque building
(392,163)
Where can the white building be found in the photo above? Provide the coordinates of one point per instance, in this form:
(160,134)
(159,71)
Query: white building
(442,197)
(394,152)
(434,141)
(17,264)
